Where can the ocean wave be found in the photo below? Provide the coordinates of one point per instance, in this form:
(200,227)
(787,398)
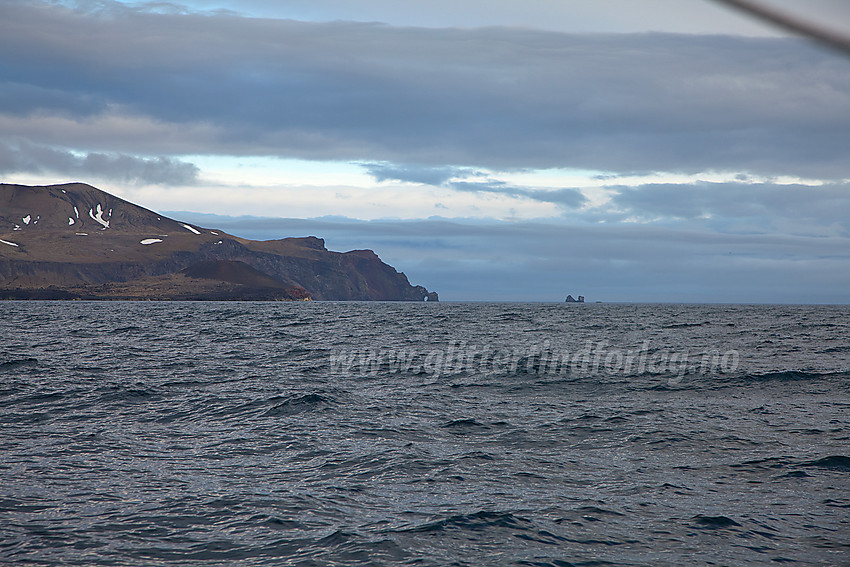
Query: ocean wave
(685,325)
(785,376)
(834,462)
(767,464)
(298,404)
(778,376)
(14,363)
(714,522)
(473,522)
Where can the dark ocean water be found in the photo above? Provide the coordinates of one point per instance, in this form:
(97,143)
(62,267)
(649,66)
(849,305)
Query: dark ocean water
(423,434)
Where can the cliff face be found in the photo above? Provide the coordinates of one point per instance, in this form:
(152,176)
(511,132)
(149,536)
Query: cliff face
(75,240)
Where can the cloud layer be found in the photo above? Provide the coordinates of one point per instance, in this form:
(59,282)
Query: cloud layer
(494,97)
(23,156)
(750,207)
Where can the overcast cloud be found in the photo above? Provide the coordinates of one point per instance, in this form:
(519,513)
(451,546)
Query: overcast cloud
(493,97)
(763,207)
(458,179)
(28,157)
(415,173)
(577,16)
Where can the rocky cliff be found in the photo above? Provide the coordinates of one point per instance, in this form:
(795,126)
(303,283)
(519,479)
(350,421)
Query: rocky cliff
(76,241)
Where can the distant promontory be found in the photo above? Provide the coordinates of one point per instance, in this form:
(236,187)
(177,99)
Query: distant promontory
(74,241)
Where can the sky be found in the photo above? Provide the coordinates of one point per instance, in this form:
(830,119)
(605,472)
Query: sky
(663,150)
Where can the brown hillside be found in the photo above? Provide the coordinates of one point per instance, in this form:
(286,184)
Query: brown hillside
(74,236)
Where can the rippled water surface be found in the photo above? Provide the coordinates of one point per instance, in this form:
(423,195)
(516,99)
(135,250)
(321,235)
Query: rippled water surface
(423,434)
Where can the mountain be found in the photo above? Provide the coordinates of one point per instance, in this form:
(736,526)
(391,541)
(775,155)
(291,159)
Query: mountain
(75,241)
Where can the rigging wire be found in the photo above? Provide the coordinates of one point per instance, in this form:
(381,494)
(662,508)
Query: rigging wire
(790,23)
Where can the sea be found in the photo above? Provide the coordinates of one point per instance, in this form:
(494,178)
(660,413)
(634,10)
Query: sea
(427,434)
